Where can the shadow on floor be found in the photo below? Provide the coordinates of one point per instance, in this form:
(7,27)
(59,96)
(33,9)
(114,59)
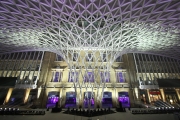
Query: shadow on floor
(89,113)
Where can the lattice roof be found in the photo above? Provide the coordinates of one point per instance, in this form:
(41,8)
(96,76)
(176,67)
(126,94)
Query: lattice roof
(147,26)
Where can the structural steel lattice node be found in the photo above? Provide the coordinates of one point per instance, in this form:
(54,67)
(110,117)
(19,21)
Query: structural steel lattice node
(146,26)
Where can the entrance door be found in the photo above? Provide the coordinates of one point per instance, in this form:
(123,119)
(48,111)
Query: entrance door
(107,100)
(53,99)
(88,99)
(123,99)
(70,100)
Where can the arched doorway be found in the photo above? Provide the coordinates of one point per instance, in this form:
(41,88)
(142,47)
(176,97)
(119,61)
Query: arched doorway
(53,99)
(70,100)
(89,99)
(107,100)
(123,98)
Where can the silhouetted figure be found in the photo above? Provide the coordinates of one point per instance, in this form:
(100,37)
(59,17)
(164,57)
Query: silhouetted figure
(120,105)
(98,106)
(68,110)
(56,105)
(76,111)
(72,110)
(109,109)
(101,111)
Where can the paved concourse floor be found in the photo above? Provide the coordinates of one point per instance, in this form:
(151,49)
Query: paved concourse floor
(115,116)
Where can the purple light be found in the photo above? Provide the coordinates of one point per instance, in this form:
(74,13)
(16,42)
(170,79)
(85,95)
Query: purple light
(72,75)
(56,78)
(105,76)
(89,78)
(52,100)
(92,101)
(120,77)
(124,101)
(88,101)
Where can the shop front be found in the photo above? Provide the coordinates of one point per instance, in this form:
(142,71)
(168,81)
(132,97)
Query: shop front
(154,95)
(171,96)
(144,96)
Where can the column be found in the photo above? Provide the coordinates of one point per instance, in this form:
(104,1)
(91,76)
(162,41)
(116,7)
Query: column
(26,95)
(60,96)
(115,96)
(81,98)
(47,64)
(45,76)
(8,95)
(163,95)
(39,92)
(131,98)
(95,96)
(148,96)
(77,98)
(136,91)
(177,92)
(114,100)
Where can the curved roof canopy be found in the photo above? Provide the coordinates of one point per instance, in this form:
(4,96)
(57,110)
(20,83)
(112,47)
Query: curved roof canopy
(146,26)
